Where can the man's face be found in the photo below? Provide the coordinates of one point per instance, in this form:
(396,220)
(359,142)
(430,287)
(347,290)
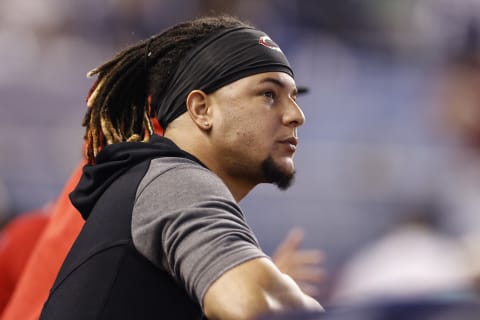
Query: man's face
(255,121)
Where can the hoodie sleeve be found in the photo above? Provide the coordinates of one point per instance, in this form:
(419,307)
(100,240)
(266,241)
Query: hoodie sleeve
(186,222)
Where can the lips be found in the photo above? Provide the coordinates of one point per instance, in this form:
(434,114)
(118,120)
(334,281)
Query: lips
(291,143)
(292,140)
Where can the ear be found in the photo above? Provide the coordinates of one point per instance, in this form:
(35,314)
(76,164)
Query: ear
(198,109)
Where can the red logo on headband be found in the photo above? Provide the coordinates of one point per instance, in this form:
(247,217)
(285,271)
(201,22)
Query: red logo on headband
(267,42)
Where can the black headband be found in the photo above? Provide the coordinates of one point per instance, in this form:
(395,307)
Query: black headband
(223,58)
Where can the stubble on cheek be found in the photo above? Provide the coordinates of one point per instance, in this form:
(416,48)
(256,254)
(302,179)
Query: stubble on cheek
(246,139)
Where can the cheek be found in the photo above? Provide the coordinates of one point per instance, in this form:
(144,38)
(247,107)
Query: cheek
(246,127)
(246,138)
(253,133)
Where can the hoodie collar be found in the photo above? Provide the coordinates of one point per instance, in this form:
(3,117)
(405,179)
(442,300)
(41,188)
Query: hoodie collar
(113,161)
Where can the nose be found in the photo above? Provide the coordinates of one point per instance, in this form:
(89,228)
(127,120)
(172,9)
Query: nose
(293,115)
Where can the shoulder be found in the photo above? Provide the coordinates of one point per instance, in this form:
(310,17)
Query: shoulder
(179,177)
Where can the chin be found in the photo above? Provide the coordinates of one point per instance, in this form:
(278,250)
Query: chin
(286,166)
(281,176)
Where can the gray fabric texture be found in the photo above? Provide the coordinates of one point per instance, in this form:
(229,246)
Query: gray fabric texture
(187,222)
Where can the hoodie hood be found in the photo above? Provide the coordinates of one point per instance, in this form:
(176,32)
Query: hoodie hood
(113,161)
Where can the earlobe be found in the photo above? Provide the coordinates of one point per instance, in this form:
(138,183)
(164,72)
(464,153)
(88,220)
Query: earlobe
(197,108)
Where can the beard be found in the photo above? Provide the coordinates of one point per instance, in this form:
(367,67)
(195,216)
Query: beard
(274,174)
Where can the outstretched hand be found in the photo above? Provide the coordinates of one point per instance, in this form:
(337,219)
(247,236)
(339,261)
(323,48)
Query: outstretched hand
(304,266)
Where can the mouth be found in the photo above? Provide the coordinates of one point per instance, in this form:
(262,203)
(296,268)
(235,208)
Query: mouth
(291,143)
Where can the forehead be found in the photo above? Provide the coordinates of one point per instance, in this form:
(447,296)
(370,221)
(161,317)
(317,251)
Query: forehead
(280,79)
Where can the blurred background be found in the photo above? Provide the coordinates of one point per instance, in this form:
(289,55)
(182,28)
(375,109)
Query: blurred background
(388,165)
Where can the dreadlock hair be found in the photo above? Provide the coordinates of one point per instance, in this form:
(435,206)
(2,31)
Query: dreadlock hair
(118,107)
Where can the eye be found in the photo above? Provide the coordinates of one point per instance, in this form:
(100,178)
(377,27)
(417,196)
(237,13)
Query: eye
(269,94)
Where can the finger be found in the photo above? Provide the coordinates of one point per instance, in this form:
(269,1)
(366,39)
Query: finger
(292,241)
(307,257)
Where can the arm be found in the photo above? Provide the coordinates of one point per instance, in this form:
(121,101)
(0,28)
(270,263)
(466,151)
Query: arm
(252,289)
(206,245)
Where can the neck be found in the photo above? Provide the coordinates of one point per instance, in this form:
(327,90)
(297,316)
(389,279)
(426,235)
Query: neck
(198,147)
(239,187)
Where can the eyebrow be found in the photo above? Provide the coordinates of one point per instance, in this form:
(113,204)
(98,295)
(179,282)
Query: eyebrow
(278,83)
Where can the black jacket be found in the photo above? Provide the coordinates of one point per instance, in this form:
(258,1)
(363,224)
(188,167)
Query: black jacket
(103,276)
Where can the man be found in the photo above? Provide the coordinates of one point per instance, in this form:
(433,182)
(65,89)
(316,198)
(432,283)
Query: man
(64,225)
(164,237)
